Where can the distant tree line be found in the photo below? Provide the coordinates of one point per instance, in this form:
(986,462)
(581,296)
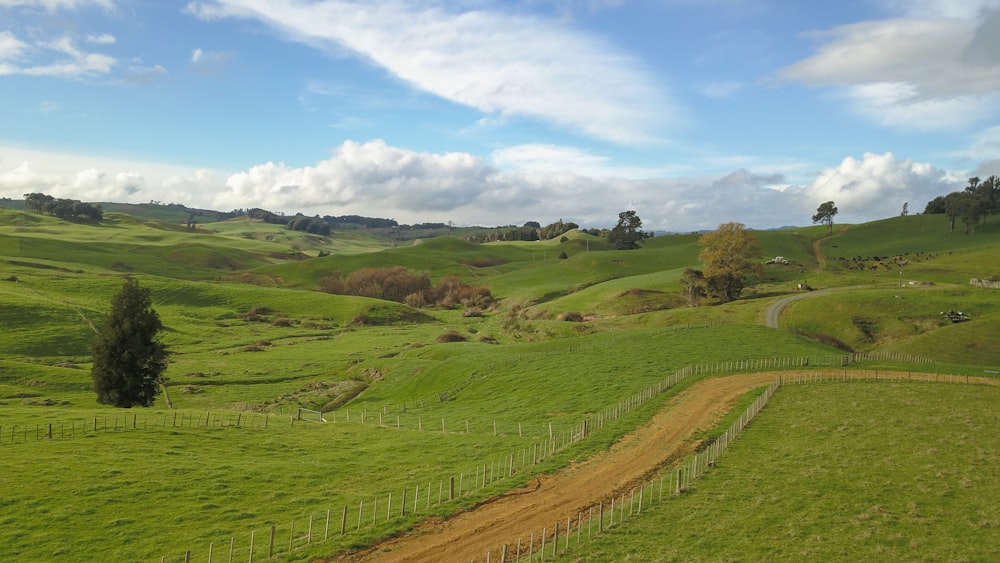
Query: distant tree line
(529,232)
(311,225)
(301,222)
(400,284)
(68,209)
(556,229)
(972,205)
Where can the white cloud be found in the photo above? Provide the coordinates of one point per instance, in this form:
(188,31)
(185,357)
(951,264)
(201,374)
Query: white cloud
(959,9)
(102,39)
(56,5)
(89,178)
(210,62)
(10,46)
(494,61)
(372,174)
(378,180)
(57,58)
(876,186)
(925,73)
(89,184)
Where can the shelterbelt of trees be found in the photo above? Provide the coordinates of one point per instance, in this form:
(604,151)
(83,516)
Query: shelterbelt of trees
(972,205)
(68,209)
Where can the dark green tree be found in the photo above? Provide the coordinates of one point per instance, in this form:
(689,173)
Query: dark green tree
(129,359)
(628,233)
(824,214)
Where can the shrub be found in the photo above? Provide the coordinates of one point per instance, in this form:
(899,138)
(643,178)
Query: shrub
(451,336)
(401,285)
(256,314)
(570,316)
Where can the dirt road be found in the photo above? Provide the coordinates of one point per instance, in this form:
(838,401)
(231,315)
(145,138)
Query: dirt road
(471,534)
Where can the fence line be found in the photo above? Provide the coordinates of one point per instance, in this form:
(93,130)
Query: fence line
(672,482)
(988,284)
(13,432)
(369,515)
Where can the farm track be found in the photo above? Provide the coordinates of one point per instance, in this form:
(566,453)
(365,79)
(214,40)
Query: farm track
(502,520)
(553,498)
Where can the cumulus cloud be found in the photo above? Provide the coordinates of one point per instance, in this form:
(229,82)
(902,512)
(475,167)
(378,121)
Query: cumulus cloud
(89,184)
(936,70)
(378,180)
(372,173)
(495,61)
(876,186)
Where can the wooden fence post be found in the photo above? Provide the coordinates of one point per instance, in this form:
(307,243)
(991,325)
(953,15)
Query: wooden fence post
(270,544)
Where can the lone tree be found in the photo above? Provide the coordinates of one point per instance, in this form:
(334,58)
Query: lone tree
(730,254)
(628,233)
(693,282)
(129,360)
(824,214)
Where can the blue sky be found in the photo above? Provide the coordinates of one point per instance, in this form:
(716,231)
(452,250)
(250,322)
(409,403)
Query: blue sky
(482,112)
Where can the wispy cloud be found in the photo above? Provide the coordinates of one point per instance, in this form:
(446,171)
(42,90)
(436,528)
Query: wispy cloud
(102,39)
(495,61)
(55,58)
(56,5)
(923,73)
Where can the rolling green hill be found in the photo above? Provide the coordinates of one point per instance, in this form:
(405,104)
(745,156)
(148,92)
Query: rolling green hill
(250,334)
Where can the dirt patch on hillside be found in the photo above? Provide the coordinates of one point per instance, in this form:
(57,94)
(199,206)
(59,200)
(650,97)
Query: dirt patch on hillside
(552,498)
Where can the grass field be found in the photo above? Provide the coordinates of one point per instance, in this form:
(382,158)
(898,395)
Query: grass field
(838,472)
(249,332)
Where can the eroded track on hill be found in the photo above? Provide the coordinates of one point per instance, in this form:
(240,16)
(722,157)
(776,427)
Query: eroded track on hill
(469,535)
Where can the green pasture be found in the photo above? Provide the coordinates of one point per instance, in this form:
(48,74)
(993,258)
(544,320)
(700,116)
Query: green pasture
(906,319)
(837,472)
(248,330)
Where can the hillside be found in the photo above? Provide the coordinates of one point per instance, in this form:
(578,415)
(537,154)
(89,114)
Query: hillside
(252,339)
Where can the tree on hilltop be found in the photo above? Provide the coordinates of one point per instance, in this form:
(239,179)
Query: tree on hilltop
(628,233)
(824,214)
(129,360)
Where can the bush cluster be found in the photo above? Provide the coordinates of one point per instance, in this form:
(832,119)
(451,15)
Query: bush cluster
(399,284)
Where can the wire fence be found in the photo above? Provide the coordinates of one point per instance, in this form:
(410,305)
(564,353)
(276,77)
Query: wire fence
(382,512)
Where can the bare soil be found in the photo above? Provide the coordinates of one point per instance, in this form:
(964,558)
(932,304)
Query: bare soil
(552,498)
